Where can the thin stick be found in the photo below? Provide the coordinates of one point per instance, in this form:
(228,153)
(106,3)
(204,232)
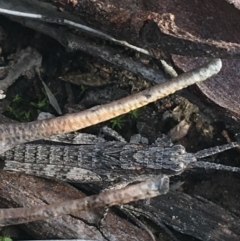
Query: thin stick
(143,190)
(63,21)
(74,42)
(14,134)
(107,53)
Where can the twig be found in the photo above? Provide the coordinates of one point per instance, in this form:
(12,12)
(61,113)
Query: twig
(109,54)
(143,190)
(73,43)
(14,134)
(62,21)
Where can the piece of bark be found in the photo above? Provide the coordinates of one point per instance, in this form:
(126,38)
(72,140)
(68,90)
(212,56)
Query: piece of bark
(18,190)
(196,28)
(223,89)
(194,216)
(226,99)
(72,42)
(206,28)
(143,190)
(108,54)
(26,59)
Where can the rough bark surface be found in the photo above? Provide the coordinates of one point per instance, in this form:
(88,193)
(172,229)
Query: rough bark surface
(223,89)
(194,216)
(199,28)
(17,190)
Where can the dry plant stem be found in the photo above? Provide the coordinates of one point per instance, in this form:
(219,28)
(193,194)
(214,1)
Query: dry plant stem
(14,134)
(62,21)
(143,190)
(74,43)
